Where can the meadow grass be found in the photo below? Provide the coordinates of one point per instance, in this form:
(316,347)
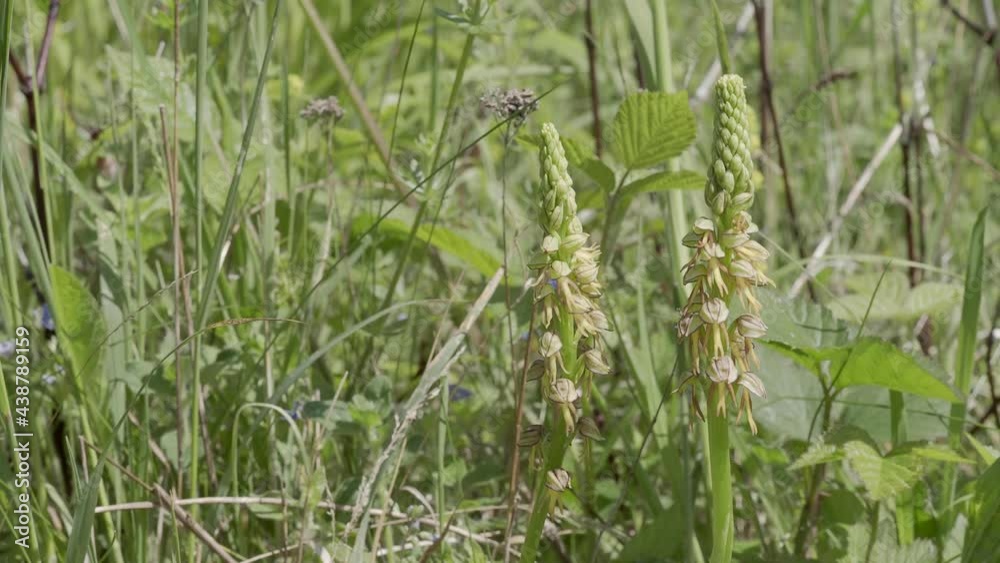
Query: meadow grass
(296,286)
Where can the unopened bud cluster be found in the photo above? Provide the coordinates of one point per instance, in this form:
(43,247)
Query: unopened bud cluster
(567,291)
(726,262)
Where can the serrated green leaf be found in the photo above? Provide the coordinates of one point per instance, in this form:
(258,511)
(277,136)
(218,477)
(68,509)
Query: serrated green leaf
(575,151)
(930,452)
(817,454)
(653,127)
(79,324)
(885,548)
(829,447)
(883,478)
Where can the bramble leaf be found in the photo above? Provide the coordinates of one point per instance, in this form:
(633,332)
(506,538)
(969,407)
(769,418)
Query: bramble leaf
(652,127)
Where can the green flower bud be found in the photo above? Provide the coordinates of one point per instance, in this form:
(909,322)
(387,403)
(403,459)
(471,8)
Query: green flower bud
(588,429)
(732,166)
(531,436)
(594,360)
(550,244)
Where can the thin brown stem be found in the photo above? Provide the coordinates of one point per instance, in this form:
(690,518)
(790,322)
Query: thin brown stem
(515,463)
(590,40)
(991,341)
(768,101)
(43,51)
(32,87)
(987,35)
(904,145)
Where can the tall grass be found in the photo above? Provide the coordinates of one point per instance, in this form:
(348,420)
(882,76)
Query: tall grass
(266,333)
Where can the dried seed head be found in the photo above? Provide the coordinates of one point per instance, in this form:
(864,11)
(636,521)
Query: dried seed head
(506,103)
(327,109)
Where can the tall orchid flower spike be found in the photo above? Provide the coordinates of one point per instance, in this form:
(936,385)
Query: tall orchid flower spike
(727,262)
(568,291)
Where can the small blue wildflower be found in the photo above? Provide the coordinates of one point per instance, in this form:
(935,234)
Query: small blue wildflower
(296,411)
(44,316)
(48,379)
(553,283)
(6,348)
(458,393)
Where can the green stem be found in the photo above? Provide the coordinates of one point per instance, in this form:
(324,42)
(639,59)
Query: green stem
(443,413)
(964,360)
(722,482)
(675,231)
(554,454)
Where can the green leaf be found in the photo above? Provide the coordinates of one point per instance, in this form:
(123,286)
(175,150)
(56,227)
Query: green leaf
(988,454)
(817,454)
(830,447)
(884,478)
(598,172)
(656,182)
(79,324)
(648,544)
(585,160)
(982,538)
(461,245)
(896,300)
(930,452)
(652,127)
(872,361)
(885,548)
(970,319)
(799,323)
(663,181)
